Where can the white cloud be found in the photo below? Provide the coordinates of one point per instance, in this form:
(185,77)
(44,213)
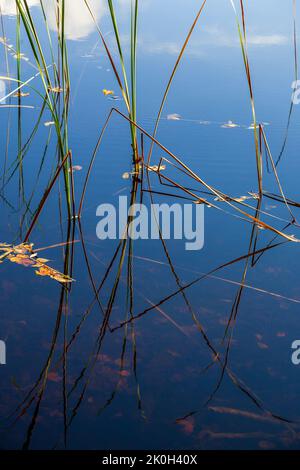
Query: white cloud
(215,36)
(79,24)
(160,47)
(268,40)
(199,48)
(78,20)
(8,7)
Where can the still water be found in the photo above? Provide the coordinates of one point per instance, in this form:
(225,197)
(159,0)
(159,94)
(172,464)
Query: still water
(78,378)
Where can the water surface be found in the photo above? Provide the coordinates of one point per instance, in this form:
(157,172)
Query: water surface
(71,381)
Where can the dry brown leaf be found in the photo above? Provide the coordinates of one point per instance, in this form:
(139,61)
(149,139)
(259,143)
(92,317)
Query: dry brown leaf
(24,255)
(157,168)
(55,89)
(20,94)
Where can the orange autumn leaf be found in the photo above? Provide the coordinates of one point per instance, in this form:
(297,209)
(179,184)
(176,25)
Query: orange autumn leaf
(20,94)
(22,260)
(24,255)
(45,270)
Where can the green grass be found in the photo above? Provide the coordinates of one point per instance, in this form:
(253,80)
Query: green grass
(60,78)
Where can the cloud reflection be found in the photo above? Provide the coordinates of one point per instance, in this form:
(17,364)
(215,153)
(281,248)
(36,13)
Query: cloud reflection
(8,7)
(78,20)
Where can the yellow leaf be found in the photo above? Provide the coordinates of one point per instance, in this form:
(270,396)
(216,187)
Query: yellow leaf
(20,94)
(157,168)
(55,89)
(24,260)
(107,92)
(24,255)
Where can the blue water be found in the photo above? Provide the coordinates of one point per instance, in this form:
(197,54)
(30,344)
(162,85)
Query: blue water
(164,374)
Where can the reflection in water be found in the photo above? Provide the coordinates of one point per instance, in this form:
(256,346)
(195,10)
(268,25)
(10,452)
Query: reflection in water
(8,7)
(148,347)
(78,21)
(86,373)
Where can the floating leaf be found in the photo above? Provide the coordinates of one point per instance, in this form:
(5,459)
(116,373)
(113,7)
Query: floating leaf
(124,373)
(262,345)
(229,125)
(24,255)
(23,260)
(55,89)
(20,94)
(46,271)
(174,117)
(107,92)
(49,123)
(188,425)
(126,176)
(157,168)
(54,377)
(253,126)
(236,199)
(75,168)
(20,56)
(281,334)
(266,445)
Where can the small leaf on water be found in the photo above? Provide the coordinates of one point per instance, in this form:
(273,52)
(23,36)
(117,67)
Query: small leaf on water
(229,125)
(55,89)
(24,255)
(54,377)
(124,373)
(20,56)
(234,199)
(174,117)
(75,168)
(49,123)
(42,260)
(20,94)
(266,445)
(53,274)
(262,345)
(281,334)
(157,168)
(126,176)
(107,92)
(187,424)
(22,260)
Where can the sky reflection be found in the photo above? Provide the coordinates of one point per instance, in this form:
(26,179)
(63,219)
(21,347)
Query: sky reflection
(78,21)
